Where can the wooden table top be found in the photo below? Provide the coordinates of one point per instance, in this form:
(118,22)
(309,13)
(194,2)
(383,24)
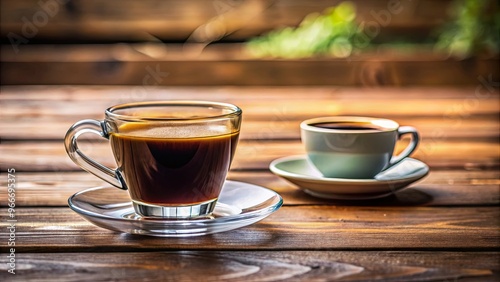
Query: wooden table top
(442,228)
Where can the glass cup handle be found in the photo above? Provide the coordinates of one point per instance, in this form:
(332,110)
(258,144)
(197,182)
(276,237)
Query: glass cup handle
(411,147)
(107,174)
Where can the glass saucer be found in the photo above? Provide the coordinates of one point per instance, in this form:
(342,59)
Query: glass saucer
(240,204)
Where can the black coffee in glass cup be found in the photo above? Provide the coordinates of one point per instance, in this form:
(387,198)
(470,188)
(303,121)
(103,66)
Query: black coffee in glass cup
(172,156)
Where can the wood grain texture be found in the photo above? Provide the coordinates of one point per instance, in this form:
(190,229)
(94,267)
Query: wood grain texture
(440,188)
(451,107)
(451,104)
(27,114)
(154,20)
(474,127)
(123,65)
(255,155)
(260,266)
(443,228)
(291,228)
(459,126)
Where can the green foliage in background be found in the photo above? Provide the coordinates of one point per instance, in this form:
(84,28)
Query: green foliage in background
(475,29)
(330,33)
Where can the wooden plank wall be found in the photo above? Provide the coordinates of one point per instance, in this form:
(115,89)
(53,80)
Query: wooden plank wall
(153,42)
(149,20)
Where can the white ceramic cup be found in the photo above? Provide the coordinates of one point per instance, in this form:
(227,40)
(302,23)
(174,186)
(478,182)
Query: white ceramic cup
(354,147)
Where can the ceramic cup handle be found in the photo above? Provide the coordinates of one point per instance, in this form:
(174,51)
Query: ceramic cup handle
(415,138)
(107,174)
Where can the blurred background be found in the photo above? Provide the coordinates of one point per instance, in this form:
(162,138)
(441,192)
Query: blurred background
(249,42)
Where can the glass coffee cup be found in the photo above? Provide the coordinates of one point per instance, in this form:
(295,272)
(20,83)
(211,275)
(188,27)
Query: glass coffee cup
(172,156)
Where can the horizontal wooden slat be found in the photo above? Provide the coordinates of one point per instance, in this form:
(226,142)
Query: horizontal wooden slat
(439,188)
(260,266)
(155,52)
(263,103)
(121,94)
(47,112)
(53,128)
(178,20)
(125,65)
(51,156)
(304,227)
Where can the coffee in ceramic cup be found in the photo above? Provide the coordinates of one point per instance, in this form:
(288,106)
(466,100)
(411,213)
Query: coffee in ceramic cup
(354,147)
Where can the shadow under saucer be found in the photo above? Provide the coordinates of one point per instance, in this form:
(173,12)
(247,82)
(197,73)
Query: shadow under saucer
(298,170)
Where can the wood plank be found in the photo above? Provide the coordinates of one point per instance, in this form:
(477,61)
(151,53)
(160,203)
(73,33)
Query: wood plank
(27,112)
(178,20)
(261,103)
(117,94)
(484,127)
(304,227)
(438,154)
(439,188)
(188,69)
(154,52)
(260,266)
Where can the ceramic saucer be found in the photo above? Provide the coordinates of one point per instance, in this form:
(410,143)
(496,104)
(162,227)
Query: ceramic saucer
(240,204)
(300,172)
